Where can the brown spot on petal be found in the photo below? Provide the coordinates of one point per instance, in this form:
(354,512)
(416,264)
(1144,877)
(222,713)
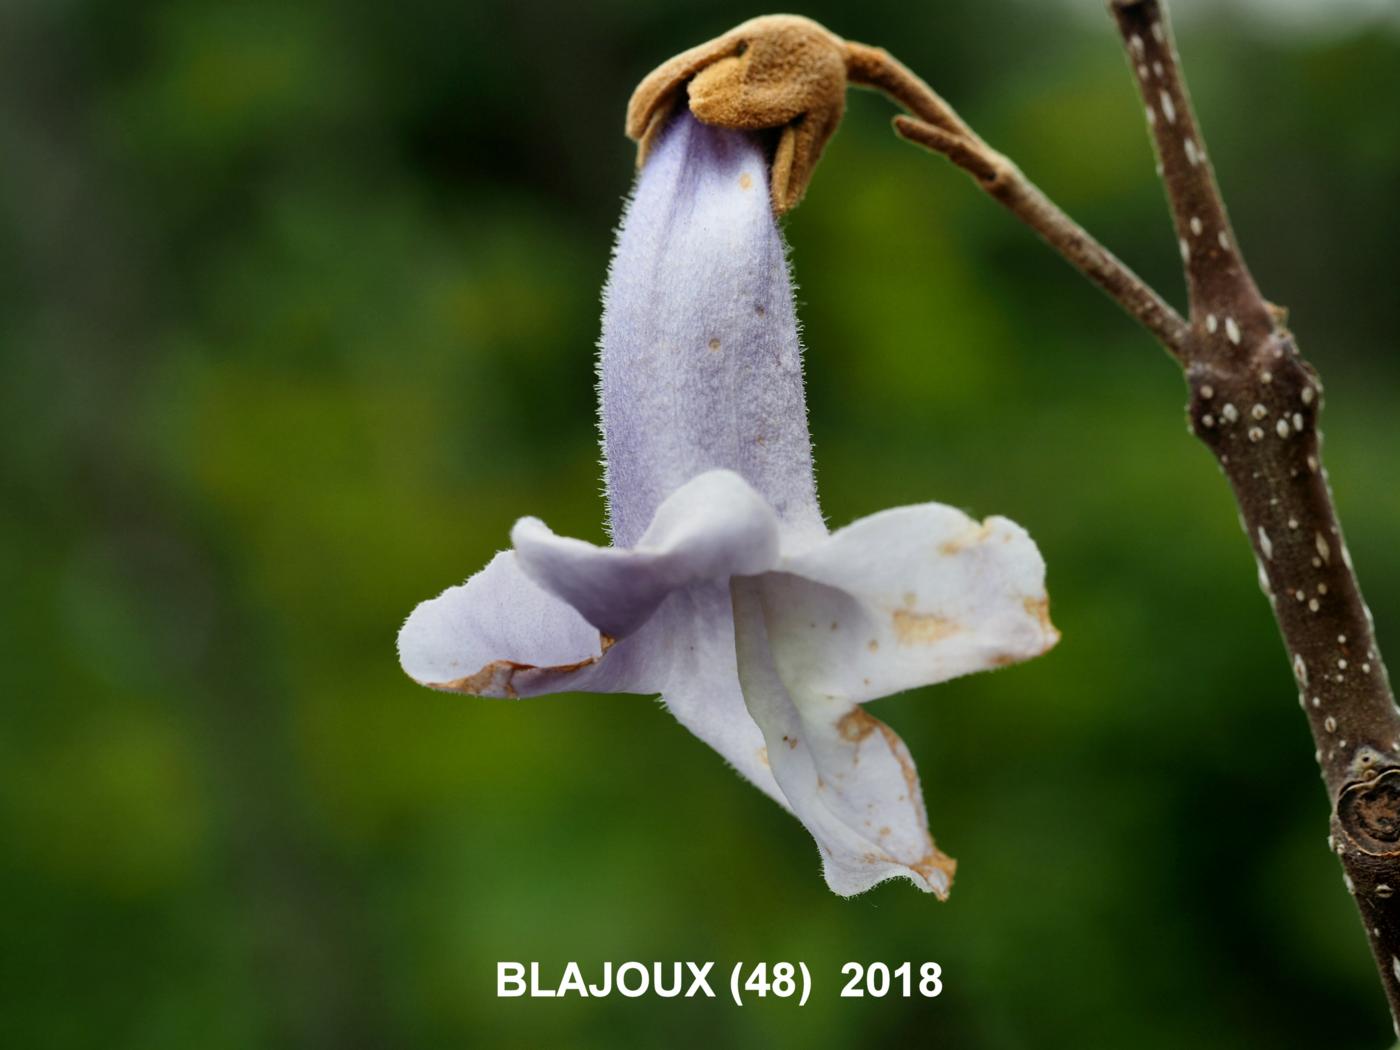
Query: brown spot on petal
(970,538)
(913,628)
(855,725)
(714,344)
(746,181)
(872,645)
(498,677)
(936,861)
(1040,609)
(906,764)
(763,756)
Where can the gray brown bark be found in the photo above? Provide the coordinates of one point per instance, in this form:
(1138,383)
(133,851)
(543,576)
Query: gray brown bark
(1256,403)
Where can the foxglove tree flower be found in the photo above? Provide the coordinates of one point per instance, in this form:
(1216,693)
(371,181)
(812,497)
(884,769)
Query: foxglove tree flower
(723,590)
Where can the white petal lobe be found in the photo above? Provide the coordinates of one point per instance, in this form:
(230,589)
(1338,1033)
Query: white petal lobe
(903,598)
(713,527)
(908,597)
(691,638)
(846,776)
(499,634)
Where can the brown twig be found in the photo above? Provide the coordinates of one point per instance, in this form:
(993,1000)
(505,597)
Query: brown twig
(1255,403)
(936,126)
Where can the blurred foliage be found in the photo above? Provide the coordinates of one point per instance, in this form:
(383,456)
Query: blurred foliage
(297,314)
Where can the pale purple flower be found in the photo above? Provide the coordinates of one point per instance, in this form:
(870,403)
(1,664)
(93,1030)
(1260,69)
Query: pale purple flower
(723,590)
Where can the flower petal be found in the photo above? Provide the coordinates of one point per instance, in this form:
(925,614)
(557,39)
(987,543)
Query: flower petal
(713,527)
(691,642)
(903,598)
(499,634)
(846,775)
(668,597)
(907,597)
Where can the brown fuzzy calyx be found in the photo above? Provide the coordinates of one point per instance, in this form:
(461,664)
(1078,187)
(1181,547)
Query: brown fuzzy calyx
(777,71)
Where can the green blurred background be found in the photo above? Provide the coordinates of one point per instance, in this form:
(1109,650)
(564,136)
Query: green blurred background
(297,313)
